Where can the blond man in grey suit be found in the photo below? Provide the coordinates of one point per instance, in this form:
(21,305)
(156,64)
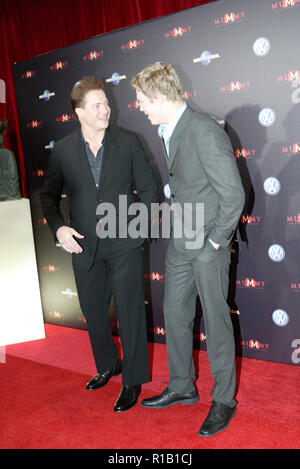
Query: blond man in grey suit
(203,173)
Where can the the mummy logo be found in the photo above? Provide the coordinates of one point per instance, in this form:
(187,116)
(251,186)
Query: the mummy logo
(230,18)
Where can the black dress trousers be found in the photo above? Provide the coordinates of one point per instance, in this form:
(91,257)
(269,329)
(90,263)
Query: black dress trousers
(117,270)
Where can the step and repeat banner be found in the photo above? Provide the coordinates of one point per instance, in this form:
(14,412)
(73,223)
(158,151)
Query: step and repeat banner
(239,62)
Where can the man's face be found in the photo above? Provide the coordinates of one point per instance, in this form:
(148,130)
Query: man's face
(95,112)
(152,108)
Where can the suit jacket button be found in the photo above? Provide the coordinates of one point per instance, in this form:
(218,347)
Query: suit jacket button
(173,196)
(171,174)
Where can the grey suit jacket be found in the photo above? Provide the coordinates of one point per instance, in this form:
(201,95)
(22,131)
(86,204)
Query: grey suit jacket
(203,170)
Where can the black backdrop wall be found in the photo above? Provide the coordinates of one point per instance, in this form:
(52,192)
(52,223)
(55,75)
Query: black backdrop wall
(239,62)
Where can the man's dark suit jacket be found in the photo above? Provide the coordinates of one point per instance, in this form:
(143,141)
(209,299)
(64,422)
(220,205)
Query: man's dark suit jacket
(125,168)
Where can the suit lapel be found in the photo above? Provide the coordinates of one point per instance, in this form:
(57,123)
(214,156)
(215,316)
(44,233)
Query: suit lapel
(81,161)
(110,146)
(177,134)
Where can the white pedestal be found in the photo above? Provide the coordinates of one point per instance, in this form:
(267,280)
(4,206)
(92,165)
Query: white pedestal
(21,316)
(2,354)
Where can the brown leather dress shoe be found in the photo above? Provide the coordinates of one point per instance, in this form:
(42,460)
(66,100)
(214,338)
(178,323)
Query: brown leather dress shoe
(101,379)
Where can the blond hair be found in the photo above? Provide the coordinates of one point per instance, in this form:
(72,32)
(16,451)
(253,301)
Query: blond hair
(159,78)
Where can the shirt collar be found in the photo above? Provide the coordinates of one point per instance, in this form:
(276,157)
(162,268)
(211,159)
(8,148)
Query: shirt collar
(86,142)
(166,130)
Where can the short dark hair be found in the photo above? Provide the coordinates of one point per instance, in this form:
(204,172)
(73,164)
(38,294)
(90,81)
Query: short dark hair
(82,87)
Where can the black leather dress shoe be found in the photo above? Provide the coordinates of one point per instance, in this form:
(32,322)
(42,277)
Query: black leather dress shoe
(127,398)
(101,379)
(218,419)
(168,398)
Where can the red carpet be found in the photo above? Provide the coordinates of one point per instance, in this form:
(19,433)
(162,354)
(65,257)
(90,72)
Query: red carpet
(45,404)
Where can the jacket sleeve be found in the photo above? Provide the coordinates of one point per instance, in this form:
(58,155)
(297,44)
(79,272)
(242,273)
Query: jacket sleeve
(220,166)
(51,193)
(146,183)
(144,176)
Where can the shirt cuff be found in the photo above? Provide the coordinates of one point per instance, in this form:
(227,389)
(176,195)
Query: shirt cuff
(215,245)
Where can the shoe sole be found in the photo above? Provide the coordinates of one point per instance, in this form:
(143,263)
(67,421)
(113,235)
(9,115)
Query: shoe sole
(183,402)
(218,431)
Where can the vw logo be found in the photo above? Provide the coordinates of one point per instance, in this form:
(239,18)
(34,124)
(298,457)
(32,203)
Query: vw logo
(266,117)
(167,191)
(272,186)
(280,317)
(261,46)
(276,253)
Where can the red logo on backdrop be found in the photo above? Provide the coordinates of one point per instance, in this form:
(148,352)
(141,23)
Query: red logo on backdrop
(189,94)
(155,276)
(34,124)
(250,220)
(289,76)
(295,287)
(251,283)
(230,18)
(244,153)
(28,74)
(59,65)
(235,86)
(93,55)
(133,106)
(293,220)
(39,173)
(82,319)
(56,314)
(178,31)
(159,331)
(65,118)
(284,4)
(51,268)
(254,344)
(201,337)
(292,149)
(42,221)
(133,44)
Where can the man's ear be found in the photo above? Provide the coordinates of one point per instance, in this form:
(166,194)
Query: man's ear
(78,112)
(160,98)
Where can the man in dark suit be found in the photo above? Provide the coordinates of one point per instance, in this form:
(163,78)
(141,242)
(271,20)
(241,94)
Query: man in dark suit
(202,173)
(97,164)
